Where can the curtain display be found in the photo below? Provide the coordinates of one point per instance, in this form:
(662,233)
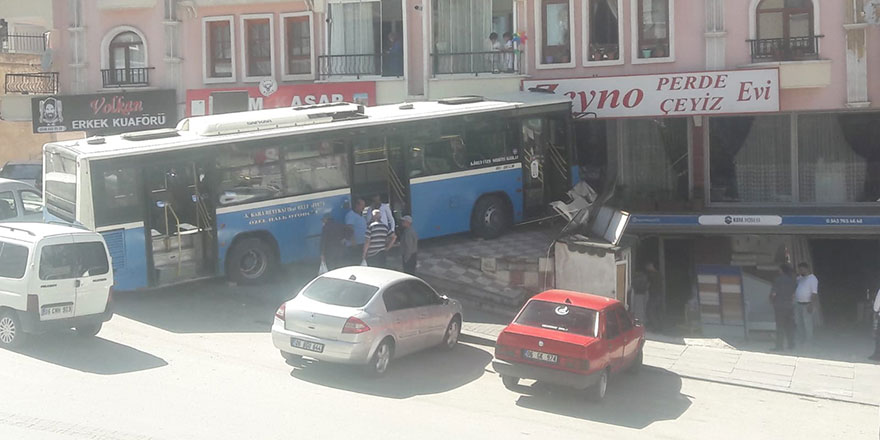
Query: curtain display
(654,157)
(751,159)
(461,26)
(829,171)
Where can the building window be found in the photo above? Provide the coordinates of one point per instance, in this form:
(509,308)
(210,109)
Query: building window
(654,29)
(784,31)
(297,44)
(126,62)
(257,45)
(555,32)
(750,159)
(365,39)
(473,36)
(653,158)
(219,48)
(603,30)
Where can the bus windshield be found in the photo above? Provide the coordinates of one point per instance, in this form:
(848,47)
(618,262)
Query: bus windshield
(60,186)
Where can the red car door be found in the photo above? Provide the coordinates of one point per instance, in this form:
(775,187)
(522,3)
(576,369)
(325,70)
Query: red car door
(615,340)
(630,335)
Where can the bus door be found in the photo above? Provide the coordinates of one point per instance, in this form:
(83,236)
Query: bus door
(534,139)
(380,168)
(180,222)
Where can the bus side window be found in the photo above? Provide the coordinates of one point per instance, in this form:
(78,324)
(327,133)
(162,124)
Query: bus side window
(249,172)
(417,161)
(118,196)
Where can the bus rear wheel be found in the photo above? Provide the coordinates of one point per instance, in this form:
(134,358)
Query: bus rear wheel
(491,217)
(251,261)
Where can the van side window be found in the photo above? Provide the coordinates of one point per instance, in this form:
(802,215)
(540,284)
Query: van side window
(74,260)
(13,260)
(7,205)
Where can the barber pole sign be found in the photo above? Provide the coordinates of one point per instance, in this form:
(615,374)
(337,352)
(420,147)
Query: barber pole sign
(673,94)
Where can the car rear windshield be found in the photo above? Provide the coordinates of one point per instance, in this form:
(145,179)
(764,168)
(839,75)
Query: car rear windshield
(340,292)
(561,317)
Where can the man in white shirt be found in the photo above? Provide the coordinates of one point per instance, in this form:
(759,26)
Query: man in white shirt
(876,355)
(806,295)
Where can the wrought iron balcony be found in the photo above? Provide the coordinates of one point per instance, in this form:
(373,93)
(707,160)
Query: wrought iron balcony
(785,49)
(475,62)
(360,65)
(131,77)
(20,43)
(39,83)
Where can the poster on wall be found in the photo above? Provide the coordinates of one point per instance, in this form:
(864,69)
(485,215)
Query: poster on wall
(105,113)
(673,94)
(270,95)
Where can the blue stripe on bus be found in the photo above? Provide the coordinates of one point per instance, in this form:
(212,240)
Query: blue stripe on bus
(295,226)
(127,248)
(442,207)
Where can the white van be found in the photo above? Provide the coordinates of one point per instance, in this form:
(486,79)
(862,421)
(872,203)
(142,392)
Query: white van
(52,277)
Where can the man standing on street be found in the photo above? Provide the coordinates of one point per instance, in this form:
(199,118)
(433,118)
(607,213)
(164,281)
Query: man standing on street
(378,240)
(356,231)
(782,298)
(409,246)
(876,355)
(806,295)
(385,208)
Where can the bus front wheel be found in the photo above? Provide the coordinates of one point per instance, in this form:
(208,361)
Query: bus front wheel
(251,261)
(491,217)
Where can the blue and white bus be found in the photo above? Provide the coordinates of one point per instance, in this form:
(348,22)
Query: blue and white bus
(238,194)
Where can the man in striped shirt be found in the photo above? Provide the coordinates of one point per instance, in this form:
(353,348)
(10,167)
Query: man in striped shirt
(377,241)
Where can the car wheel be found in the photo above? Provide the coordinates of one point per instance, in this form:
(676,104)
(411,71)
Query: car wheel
(251,261)
(88,331)
(637,362)
(11,335)
(381,359)
(597,391)
(510,382)
(491,217)
(290,358)
(453,331)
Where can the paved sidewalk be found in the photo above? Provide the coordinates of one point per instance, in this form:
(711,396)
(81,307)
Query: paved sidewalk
(712,360)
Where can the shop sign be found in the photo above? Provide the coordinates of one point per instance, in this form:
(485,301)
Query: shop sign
(756,220)
(740,220)
(269,94)
(105,113)
(672,94)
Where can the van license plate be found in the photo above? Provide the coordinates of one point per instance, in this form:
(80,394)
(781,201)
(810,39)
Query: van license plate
(306,345)
(538,356)
(56,311)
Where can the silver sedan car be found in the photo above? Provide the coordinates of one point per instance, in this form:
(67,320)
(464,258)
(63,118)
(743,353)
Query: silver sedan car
(365,316)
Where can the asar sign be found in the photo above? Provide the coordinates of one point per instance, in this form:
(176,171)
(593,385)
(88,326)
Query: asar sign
(105,113)
(674,94)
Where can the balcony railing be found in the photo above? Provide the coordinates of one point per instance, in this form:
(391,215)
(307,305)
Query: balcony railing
(785,49)
(131,77)
(360,65)
(40,83)
(19,43)
(475,62)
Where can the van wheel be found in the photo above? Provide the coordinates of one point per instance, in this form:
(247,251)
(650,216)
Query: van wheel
(88,331)
(11,335)
(491,217)
(251,261)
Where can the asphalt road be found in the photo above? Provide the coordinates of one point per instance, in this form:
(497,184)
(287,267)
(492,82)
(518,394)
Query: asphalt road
(197,362)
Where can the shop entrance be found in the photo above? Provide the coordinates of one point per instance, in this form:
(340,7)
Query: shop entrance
(846,269)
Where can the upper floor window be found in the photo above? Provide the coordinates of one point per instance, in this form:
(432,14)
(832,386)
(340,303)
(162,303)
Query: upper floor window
(473,36)
(784,30)
(297,30)
(364,38)
(555,20)
(126,62)
(604,28)
(654,29)
(218,43)
(257,45)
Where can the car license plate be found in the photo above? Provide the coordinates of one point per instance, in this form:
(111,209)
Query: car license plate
(539,356)
(306,345)
(56,311)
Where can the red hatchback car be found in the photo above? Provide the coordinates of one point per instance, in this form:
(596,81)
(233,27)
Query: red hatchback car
(570,339)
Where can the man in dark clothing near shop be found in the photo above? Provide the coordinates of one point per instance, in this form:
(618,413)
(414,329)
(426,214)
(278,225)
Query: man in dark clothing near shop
(654,307)
(332,243)
(377,241)
(782,298)
(409,246)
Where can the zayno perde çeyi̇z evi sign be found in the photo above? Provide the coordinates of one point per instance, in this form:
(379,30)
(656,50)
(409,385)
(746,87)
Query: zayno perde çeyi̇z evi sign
(105,113)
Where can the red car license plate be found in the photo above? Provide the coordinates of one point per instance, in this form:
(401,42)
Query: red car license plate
(306,345)
(539,356)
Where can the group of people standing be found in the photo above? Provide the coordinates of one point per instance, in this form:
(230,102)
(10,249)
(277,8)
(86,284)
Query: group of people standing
(794,298)
(366,237)
(507,61)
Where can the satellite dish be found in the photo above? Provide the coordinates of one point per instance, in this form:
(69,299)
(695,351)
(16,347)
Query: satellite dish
(46,60)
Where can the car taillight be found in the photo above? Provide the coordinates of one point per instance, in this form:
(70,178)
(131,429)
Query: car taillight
(33,303)
(575,364)
(355,326)
(505,350)
(280,312)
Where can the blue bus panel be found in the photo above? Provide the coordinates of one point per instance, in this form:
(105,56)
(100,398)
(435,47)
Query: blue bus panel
(127,248)
(443,204)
